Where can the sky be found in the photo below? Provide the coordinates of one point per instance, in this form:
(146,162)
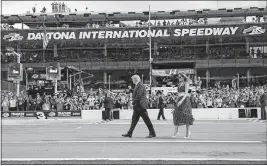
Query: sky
(21,7)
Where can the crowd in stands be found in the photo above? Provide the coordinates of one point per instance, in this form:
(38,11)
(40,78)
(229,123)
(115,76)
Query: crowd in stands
(204,98)
(153,23)
(133,54)
(59,102)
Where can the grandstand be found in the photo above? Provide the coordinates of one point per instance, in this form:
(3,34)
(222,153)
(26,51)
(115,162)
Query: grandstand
(104,44)
(67,63)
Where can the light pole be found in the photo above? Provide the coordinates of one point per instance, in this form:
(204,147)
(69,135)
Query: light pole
(150,57)
(109,82)
(238,81)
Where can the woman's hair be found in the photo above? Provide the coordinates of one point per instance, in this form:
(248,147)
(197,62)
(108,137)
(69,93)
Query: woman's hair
(184,76)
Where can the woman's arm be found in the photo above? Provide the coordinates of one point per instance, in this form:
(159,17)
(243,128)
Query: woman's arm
(186,94)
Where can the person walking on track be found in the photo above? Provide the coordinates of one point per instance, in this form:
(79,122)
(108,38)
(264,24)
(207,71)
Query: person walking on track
(182,114)
(161,107)
(140,104)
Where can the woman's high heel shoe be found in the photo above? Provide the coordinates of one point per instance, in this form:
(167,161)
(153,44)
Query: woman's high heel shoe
(189,134)
(175,136)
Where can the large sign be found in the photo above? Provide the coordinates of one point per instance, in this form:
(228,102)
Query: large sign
(141,32)
(170,72)
(163,90)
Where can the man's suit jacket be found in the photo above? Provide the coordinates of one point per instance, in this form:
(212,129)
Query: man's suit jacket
(139,96)
(263,99)
(108,102)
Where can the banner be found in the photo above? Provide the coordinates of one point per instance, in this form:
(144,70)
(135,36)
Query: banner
(163,90)
(170,72)
(41,114)
(140,32)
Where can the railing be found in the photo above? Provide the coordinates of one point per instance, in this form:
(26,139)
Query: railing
(134,27)
(122,65)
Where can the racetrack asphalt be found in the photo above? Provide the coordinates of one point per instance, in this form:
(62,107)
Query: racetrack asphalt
(85,142)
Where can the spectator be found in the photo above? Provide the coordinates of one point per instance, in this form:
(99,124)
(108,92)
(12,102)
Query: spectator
(164,23)
(13,103)
(258,53)
(194,100)
(67,105)
(108,104)
(54,103)
(46,105)
(21,104)
(33,10)
(161,105)
(60,102)
(5,104)
(177,23)
(209,102)
(91,101)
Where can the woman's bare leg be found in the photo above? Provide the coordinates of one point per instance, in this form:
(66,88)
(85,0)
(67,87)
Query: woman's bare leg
(175,130)
(187,131)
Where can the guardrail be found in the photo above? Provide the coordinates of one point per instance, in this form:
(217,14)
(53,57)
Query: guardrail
(97,115)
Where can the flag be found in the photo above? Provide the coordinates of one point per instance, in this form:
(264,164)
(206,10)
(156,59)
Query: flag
(45,38)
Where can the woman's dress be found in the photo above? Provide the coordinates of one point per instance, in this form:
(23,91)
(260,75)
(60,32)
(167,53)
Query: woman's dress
(182,115)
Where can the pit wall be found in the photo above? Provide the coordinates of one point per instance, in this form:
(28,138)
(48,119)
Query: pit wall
(198,114)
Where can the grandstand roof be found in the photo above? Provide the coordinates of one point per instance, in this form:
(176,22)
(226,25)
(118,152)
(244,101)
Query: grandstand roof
(81,19)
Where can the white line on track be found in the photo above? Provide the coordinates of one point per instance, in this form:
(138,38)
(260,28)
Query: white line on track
(152,141)
(142,123)
(132,159)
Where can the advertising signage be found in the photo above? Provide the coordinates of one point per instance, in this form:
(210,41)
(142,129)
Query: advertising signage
(140,32)
(170,72)
(41,114)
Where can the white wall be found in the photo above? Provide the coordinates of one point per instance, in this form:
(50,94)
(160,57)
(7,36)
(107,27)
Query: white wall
(198,114)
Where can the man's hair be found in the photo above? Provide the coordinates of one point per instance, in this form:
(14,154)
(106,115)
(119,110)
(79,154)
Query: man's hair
(136,77)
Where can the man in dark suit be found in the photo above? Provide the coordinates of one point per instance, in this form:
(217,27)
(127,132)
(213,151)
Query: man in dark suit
(108,104)
(140,104)
(263,101)
(161,106)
